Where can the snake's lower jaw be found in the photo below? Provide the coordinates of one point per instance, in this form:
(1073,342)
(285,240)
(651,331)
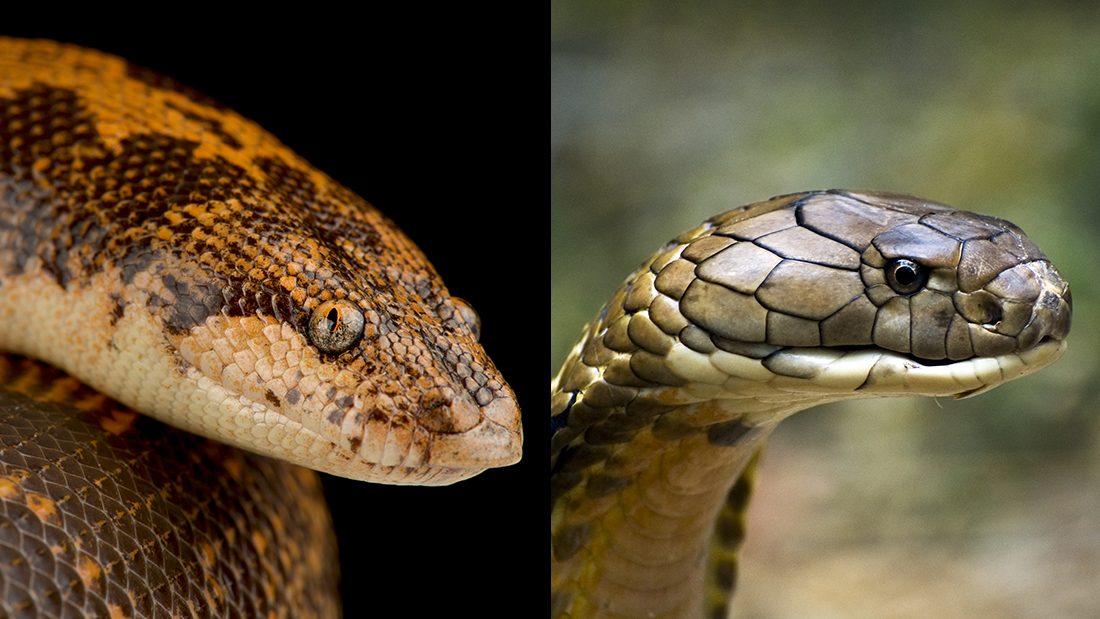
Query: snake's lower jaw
(874,372)
(432,457)
(898,374)
(1023,363)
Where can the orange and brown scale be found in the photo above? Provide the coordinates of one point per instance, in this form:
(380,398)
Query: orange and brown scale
(143,203)
(105,513)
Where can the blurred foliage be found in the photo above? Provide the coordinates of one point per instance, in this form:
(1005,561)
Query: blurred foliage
(665,113)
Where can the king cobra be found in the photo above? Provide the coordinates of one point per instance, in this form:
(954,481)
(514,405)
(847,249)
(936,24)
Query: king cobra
(660,412)
(174,256)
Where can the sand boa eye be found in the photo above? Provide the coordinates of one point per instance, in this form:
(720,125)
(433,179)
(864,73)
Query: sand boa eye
(336,326)
(468,315)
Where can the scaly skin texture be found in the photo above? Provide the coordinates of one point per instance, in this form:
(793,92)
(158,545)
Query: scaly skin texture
(172,254)
(106,513)
(766,310)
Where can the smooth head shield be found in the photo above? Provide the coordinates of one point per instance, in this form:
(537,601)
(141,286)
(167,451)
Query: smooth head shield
(659,411)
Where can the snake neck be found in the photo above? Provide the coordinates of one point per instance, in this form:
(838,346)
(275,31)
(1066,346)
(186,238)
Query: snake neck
(647,515)
(651,473)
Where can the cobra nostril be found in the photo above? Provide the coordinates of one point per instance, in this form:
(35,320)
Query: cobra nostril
(993,314)
(980,308)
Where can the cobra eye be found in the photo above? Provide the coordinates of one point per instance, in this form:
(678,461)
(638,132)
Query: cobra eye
(336,326)
(905,276)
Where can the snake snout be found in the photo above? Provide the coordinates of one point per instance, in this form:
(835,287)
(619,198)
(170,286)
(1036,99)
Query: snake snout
(1052,317)
(1052,310)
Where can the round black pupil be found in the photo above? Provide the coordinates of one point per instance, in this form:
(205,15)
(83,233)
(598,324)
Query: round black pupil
(905,274)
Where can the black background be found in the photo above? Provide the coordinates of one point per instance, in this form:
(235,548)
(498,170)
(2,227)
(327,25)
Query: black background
(420,115)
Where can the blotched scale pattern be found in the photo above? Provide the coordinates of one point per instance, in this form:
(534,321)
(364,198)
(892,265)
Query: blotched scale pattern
(113,176)
(104,513)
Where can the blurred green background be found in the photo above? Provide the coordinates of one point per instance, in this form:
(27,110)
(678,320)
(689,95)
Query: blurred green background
(665,113)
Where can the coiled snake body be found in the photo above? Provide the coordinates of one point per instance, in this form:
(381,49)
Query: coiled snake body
(660,410)
(176,257)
